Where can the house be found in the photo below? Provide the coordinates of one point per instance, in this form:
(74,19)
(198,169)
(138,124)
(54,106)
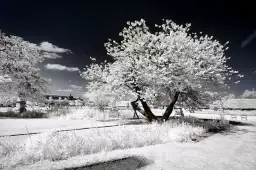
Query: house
(63,100)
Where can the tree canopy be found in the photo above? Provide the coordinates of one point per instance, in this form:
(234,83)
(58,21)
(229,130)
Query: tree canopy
(18,67)
(170,61)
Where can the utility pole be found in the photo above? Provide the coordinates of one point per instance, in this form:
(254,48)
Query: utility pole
(253,93)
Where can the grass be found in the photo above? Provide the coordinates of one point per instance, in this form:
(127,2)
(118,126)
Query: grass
(87,113)
(59,146)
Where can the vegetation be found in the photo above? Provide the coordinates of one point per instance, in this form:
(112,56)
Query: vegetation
(27,114)
(58,146)
(172,62)
(214,126)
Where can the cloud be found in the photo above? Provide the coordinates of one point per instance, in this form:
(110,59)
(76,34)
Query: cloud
(49,47)
(249,39)
(51,55)
(60,67)
(64,90)
(76,87)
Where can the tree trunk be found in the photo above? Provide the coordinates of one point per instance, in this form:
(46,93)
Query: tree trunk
(135,115)
(147,110)
(137,108)
(22,107)
(169,109)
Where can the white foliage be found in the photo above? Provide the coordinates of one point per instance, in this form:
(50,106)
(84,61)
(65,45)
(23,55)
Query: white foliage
(18,64)
(248,94)
(146,62)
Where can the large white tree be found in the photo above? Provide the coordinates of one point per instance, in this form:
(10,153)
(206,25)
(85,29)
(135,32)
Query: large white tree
(18,68)
(171,61)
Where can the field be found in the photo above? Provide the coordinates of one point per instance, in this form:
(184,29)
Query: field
(233,150)
(30,149)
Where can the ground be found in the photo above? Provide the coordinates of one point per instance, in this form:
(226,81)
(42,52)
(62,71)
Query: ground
(235,149)
(230,150)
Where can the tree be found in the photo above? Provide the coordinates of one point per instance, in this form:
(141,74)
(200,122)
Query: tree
(18,68)
(248,95)
(99,100)
(221,102)
(144,63)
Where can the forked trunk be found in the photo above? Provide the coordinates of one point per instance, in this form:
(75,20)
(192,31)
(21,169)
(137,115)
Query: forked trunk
(147,110)
(169,109)
(137,108)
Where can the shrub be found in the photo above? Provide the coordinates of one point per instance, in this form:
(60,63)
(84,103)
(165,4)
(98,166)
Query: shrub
(33,114)
(217,125)
(210,125)
(27,114)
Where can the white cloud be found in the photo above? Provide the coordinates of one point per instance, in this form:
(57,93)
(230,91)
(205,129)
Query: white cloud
(76,87)
(51,55)
(64,90)
(49,47)
(248,39)
(60,67)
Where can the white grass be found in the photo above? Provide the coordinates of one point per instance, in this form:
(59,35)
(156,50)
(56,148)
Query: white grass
(86,113)
(59,146)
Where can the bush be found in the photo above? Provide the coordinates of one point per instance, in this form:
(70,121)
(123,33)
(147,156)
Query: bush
(210,125)
(33,114)
(217,125)
(27,114)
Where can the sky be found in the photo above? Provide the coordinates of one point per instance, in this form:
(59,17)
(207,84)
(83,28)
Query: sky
(79,29)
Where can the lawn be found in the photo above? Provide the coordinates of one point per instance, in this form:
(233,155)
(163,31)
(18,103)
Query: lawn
(56,146)
(234,150)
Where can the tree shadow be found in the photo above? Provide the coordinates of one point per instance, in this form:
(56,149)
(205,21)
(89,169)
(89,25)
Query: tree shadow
(236,123)
(236,130)
(131,163)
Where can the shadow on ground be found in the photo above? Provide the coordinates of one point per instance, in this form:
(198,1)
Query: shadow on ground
(129,163)
(241,123)
(238,128)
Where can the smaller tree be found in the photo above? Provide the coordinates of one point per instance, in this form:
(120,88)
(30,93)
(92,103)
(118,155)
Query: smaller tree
(99,100)
(18,67)
(248,94)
